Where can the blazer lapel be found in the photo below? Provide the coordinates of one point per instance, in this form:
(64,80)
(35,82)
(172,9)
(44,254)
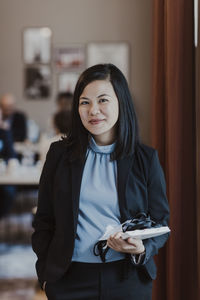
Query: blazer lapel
(77,172)
(123,168)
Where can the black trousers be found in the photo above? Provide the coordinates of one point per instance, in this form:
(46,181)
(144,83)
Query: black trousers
(107,281)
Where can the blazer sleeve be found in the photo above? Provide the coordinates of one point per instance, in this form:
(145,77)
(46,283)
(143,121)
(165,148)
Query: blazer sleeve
(158,206)
(44,222)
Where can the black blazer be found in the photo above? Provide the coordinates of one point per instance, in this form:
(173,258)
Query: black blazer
(141,188)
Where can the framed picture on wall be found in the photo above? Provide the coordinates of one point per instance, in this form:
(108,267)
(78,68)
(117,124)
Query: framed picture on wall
(69,57)
(67,81)
(37,82)
(37,45)
(117,53)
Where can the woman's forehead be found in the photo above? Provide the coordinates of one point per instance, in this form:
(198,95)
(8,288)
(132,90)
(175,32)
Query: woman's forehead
(97,88)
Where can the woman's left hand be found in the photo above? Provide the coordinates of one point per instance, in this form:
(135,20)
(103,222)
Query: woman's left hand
(130,245)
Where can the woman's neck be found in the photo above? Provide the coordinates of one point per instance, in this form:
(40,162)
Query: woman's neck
(103,141)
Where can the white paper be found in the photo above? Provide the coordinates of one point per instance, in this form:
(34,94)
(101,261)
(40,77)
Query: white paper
(146,233)
(138,233)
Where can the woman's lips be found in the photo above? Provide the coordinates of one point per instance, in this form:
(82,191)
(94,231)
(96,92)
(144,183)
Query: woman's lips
(95,121)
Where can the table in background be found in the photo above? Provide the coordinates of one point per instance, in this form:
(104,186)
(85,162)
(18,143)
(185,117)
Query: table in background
(23,175)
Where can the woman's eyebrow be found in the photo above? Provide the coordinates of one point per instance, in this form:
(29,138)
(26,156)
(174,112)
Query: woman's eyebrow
(85,98)
(102,95)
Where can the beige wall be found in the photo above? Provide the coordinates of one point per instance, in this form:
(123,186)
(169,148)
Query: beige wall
(78,21)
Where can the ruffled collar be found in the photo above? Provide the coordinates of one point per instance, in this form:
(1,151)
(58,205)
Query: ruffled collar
(107,149)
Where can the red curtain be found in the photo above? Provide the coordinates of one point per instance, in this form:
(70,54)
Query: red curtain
(173,134)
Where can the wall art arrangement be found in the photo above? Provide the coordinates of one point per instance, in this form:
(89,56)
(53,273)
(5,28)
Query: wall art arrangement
(69,61)
(43,61)
(70,57)
(37,81)
(67,81)
(37,62)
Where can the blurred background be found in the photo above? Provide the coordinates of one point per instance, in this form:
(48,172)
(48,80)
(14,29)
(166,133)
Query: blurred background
(44,47)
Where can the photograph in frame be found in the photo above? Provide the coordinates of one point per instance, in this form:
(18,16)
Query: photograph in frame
(67,81)
(116,53)
(37,45)
(69,57)
(37,82)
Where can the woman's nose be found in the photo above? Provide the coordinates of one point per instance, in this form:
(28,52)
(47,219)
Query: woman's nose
(94,109)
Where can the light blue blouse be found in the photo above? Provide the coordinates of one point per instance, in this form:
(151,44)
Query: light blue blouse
(98,203)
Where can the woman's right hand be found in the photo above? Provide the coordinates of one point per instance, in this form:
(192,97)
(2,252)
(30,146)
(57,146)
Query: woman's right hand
(130,245)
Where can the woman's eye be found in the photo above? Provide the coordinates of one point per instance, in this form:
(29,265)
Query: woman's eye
(83,103)
(103,100)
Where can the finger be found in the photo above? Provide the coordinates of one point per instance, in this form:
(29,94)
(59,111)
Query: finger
(128,249)
(118,235)
(110,244)
(122,245)
(135,242)
(114,247)
(115,243)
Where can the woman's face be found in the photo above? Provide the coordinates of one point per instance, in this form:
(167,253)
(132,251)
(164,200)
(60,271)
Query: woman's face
(99,111)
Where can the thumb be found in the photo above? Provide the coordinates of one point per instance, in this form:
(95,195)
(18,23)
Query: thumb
(131,241)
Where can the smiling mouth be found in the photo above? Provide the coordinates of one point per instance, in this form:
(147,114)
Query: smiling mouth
(95,122)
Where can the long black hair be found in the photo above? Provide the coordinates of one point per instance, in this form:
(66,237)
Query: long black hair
(127,136)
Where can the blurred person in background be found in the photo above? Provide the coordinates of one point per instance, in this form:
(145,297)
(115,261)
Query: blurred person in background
(62,121)
(12,119)
(64,101)
(61,124)
(7,192)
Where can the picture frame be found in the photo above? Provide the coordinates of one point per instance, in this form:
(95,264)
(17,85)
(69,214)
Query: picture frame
(37,82)
(70,57)
(67,81)
(117,53)
(37,45)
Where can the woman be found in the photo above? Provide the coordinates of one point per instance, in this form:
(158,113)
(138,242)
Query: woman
(99,175)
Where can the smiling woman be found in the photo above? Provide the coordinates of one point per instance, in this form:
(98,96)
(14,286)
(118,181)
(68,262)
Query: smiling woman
(97,83)
(99,111)
(99,175)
